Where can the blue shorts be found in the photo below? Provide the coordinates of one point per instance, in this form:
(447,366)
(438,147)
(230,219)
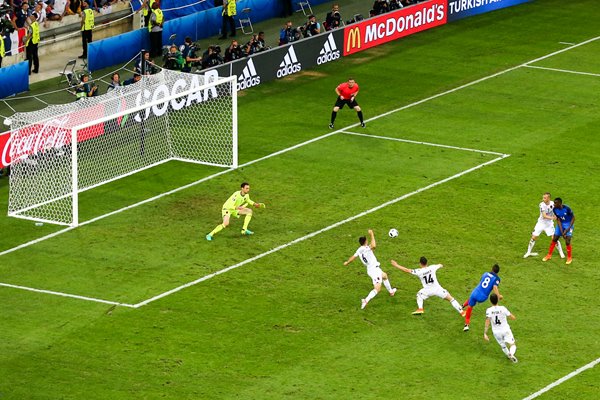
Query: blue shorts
(569,232)
(477,297)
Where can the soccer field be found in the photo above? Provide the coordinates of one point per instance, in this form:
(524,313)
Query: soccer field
(467,126)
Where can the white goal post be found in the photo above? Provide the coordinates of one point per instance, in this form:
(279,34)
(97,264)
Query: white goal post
(63,150)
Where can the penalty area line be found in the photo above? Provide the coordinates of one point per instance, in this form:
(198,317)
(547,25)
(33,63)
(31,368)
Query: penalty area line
(313,234)
(73,296)
(423,143)
(568,71)
(563,379)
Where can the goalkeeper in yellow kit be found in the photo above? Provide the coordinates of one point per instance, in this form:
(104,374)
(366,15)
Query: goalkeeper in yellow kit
(234,207)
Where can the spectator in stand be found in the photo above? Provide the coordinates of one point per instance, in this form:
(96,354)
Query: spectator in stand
(380,7)
(21,15)
(395,5)
(51,13)
(31,42)
(333,20)
(131,81)
(75,6)
(233,52)
(87,25)
(312,27)
(61,7)
(155,28)
(228,13)
(86,88)
(288,34)
(40,10)
(189,54)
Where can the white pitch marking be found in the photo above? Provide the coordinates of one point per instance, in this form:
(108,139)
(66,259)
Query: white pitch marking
(74,296)
(567,43)
(562,70)
(424,143)
(310,235)
(563,379)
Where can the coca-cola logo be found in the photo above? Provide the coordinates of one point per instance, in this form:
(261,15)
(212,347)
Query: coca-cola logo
(34,139)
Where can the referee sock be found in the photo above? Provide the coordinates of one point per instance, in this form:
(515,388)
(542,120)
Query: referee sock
(333,115)
(247,221)
(360,116)
(217,229)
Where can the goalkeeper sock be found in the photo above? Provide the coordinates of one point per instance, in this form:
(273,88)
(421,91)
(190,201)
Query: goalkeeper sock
(247,221)
(333,115)
(217,229)
(360,116)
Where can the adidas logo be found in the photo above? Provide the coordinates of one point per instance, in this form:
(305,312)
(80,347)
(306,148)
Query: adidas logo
(290,64)
(248,77)
(329,52)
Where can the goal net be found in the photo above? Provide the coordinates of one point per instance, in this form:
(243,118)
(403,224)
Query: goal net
(63,150)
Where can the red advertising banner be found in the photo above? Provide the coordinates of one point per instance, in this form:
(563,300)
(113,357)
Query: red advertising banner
(37,138)
(391,26)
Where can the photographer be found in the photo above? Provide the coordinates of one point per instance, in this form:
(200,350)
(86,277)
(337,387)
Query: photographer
(212,57)
(288,34)
(173,59)
(333,19)
(233,52)
(189,54)
(86,88)
(149,67)
(312,27)
(260,42)
(252,46)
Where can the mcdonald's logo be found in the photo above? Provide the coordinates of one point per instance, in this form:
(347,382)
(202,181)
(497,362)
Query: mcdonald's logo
(353,40)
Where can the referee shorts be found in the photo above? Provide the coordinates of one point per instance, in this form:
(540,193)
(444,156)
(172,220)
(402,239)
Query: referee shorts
(350,103)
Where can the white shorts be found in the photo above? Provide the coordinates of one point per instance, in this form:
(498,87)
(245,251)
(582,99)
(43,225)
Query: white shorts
(376,275)
(505,336)
(546,227)
(428,292)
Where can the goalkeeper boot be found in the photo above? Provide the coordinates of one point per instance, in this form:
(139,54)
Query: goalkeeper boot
(208,237)
(247,232)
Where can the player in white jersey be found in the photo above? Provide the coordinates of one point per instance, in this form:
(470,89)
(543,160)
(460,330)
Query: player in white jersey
(496,316)
(431,286)
(545,223)
(366,255)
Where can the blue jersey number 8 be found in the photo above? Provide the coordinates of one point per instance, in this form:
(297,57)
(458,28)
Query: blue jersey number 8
(485,282)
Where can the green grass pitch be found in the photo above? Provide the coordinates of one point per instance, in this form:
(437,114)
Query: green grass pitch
(288,324)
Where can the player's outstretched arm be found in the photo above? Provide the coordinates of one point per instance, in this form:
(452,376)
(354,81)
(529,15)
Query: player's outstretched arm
(495,290)
(349,260)
(400,267)
(372,245)
(260,205)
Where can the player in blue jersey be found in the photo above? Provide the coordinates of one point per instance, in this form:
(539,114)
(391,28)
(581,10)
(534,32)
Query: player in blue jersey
(489,282)
(565,220)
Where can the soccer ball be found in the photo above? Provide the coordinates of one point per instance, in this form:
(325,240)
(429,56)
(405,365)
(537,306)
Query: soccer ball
(393,233)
